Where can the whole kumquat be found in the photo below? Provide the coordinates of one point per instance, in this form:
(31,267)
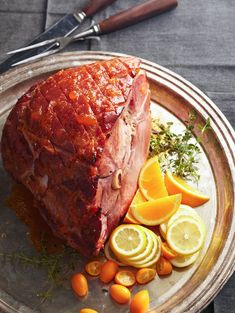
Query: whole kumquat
(108,271)
(145,275)
(125,278)
(120,293)
(93,268)
(167,252)
(79,284)
(140,302)
(87,310)
(163,267)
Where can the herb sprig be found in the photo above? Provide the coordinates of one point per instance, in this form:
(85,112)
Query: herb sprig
(58,267)
(178,153)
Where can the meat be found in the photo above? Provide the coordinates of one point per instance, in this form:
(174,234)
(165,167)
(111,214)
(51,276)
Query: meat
(77,141)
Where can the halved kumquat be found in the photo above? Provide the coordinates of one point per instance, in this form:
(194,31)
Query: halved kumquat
(145,275)
(125,278)
(93,268)
(163,267)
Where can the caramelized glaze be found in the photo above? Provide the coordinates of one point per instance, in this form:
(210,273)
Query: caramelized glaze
(21,201)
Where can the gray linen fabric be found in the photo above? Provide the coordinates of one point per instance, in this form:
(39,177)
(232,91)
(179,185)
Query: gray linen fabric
(197,41)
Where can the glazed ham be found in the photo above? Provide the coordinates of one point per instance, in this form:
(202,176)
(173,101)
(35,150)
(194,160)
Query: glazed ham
(77,141)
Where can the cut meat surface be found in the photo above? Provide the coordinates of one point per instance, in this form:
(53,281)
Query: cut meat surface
(77,141)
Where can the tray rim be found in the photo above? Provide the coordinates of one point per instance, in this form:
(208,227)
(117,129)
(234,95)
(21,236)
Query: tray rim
(212,109)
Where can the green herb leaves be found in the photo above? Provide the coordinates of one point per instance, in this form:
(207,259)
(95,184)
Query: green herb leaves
(178,153)
(59,267)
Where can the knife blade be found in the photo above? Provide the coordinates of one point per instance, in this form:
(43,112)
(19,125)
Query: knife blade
(64,27)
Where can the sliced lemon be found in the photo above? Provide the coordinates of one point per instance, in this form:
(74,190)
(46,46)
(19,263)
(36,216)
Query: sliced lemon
(184,210)
(151,181)
(186,235)
(190,195)
(184,260)
(152,258)
(128,240)
(148,249)
(163,230)
(110,255)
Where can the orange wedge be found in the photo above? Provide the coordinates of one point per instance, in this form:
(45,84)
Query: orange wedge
(138,198)
(157,211)
(190,196)
(151,182)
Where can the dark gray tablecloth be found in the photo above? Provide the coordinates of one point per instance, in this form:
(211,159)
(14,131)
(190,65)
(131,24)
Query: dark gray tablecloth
(197,41)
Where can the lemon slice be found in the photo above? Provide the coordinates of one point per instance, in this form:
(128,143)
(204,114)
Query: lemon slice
(128,240)
(152,258)
(148,249)
(184,210)
(110,255)
(163,230)
(186,235)
(184,260)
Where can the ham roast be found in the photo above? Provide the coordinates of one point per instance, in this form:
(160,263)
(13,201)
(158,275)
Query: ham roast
(77,141)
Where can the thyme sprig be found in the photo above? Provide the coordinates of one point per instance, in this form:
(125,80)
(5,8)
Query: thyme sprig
(178,153)
(58,266)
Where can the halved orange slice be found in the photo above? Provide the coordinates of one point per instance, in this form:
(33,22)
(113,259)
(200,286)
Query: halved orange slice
(151,181)
(157,211)
(190,196)
(138,198)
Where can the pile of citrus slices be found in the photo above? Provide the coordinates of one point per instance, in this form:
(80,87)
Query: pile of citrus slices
(165,202)
(160,230)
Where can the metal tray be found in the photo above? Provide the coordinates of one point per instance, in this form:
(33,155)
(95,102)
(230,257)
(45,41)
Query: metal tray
(185,290)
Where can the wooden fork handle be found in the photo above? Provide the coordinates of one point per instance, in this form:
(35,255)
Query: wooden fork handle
(136,14)
(96,5)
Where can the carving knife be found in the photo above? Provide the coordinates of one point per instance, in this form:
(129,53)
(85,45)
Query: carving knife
(64,27)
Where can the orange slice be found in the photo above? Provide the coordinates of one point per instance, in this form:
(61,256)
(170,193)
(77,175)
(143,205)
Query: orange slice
(157,211)
(151,181)
(138,198)
(190,196)
(167,252)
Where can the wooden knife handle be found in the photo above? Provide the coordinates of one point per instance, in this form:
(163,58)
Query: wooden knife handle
(96,5)
(136,14)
